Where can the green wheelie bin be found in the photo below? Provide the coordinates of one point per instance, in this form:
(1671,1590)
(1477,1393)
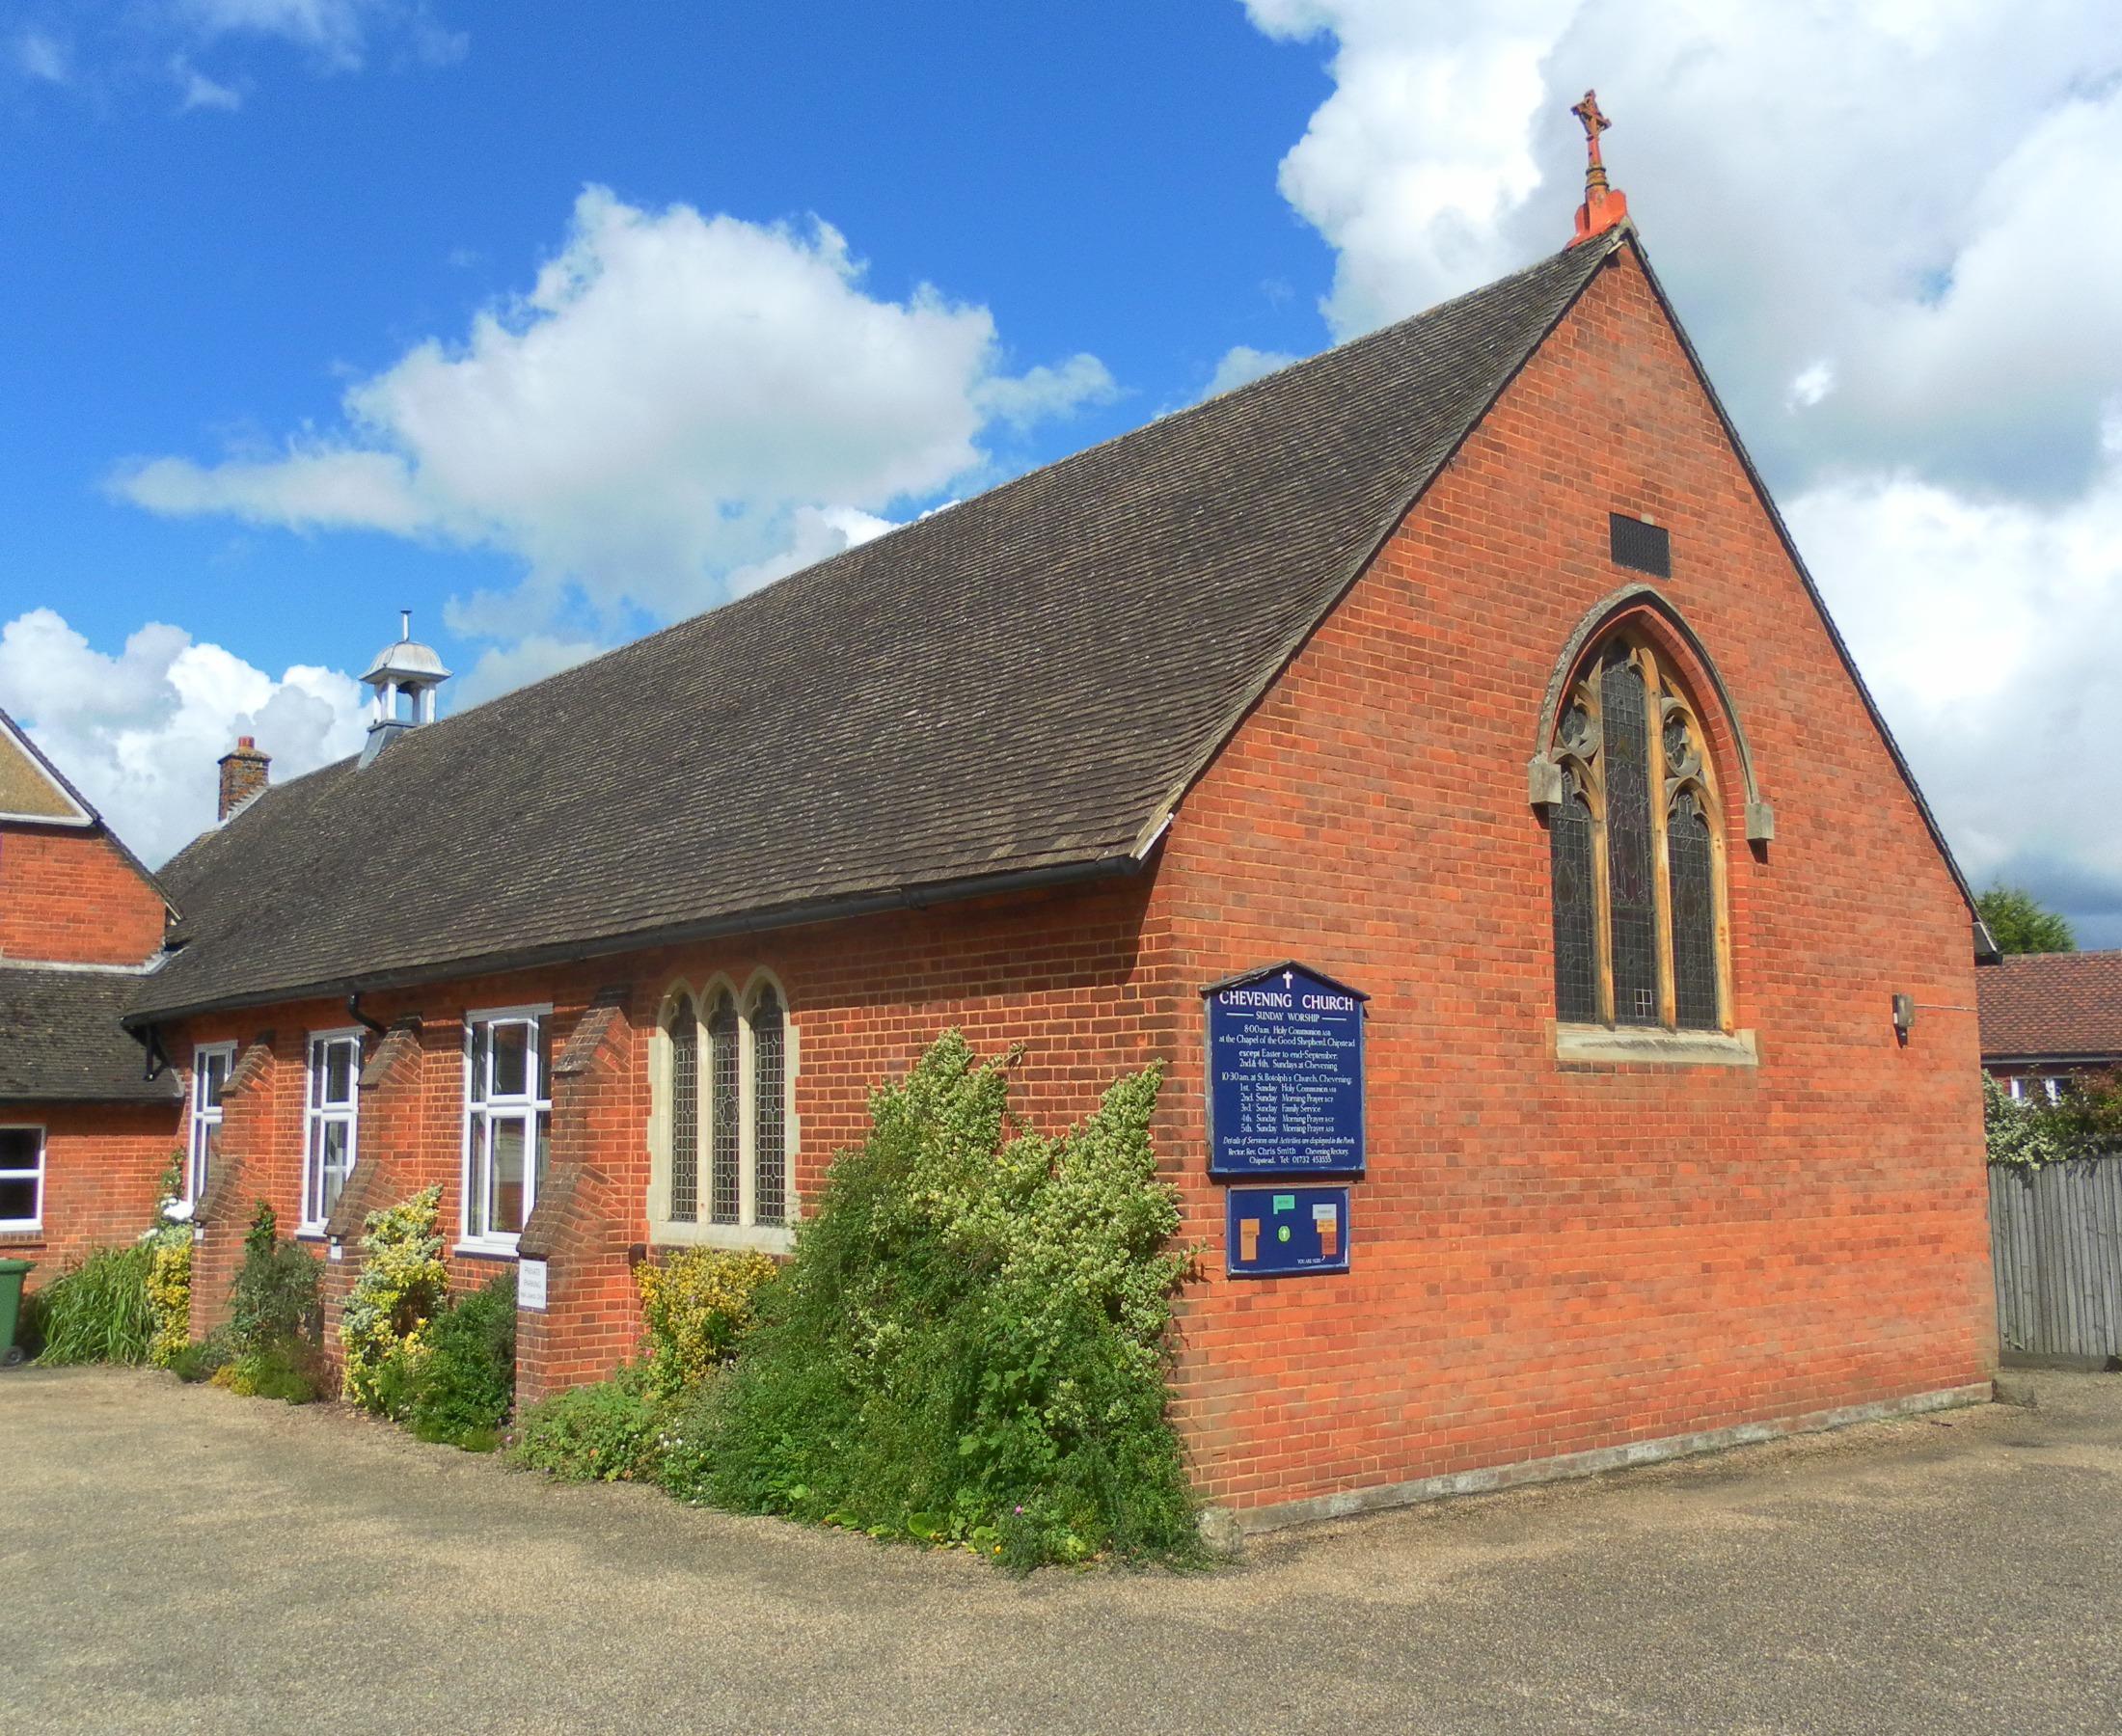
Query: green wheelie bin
(11,1274)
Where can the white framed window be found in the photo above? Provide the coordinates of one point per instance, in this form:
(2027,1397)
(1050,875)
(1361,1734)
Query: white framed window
(507,1121)
(211,1065)
(723,1135)
(21,1178)
(331,1123)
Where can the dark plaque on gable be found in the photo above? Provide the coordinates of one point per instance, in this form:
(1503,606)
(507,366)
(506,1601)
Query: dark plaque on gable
(1285,1074)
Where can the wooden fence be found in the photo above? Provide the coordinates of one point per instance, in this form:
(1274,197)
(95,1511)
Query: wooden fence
(2055,1234)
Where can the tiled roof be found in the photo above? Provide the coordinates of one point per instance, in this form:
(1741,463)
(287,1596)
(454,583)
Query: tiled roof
(1020,684)
(2051,1006)
(60,1039)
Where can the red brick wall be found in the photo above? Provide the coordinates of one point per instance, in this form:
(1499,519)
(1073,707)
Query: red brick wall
(71,895)
(1550,1258)
(101,1163)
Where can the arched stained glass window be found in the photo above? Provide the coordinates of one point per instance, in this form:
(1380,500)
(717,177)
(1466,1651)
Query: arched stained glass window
(1635,848)
(685,1113)
(1630,851)
(1694,914)
(1576,908)
(725,1114)
(769,1109)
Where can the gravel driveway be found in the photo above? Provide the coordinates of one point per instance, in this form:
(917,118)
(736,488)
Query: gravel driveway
(176,1558)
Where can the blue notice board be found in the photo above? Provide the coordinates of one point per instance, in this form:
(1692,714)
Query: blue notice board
(1285,1074)
(1275,1231)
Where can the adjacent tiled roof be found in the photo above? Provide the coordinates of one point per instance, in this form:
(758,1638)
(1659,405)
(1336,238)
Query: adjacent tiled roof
(2051,1006)
(1020,682)
(61,1040)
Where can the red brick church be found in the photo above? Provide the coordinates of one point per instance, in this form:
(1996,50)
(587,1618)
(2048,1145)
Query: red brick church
(1468,665)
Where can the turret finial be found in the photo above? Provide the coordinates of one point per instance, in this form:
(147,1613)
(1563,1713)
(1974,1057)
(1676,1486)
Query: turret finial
(1603,208)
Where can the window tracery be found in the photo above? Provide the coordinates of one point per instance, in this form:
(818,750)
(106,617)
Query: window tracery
(1635,848)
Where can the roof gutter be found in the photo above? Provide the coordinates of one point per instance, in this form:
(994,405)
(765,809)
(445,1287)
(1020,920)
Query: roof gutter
(768,920)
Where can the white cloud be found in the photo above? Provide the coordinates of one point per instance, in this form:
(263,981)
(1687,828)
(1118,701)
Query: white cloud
(201,91)
(1893,228)
(681,404)
(42,57)
(1991,634)
(337,34)
(501,669)
(1241,366)
(108,45)
(141,734)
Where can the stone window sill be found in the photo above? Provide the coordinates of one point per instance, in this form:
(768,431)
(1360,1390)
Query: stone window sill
(764,1239)
(1598,1044)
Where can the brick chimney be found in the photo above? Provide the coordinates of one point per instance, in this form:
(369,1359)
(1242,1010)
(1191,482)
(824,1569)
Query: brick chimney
(244,773)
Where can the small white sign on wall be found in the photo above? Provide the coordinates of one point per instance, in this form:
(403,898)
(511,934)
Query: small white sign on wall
(338,1252)
(531,1283)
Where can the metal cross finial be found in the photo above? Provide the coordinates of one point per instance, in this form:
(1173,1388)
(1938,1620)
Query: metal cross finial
(1603,209)
(1595,123)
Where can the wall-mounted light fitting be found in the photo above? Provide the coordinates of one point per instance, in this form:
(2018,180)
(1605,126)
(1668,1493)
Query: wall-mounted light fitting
(1904,1015)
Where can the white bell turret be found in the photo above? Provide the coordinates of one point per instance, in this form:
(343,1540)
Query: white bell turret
(404,677)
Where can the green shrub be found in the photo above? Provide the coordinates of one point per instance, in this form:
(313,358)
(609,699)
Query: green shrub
(461,1391)
(277,1300)
(288,1370)
(969,1341)
(401,1286)
(201,1360)
(99,1312)
(695,1306)
(609,1432)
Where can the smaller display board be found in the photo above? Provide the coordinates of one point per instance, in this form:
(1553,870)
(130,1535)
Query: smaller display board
(1275,1231)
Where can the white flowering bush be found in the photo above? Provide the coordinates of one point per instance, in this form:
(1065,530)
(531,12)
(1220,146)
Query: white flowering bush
(969,1345)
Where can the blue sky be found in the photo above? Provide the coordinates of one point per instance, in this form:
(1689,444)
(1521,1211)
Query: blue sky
(186,280)
(557,323)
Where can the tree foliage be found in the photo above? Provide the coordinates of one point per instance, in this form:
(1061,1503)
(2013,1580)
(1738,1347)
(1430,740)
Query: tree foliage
(2020,923)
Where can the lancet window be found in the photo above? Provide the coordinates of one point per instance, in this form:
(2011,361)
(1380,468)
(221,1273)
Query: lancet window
(724,1127)
(1636,849)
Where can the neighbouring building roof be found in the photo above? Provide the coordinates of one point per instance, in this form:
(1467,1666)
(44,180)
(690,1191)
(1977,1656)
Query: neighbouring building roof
(35,792)
(31,787)
(1020,682)
(61,1040)
(2052,1006)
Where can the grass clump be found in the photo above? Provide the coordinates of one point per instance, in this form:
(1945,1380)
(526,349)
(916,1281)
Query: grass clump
(969,1345)
(98,1310)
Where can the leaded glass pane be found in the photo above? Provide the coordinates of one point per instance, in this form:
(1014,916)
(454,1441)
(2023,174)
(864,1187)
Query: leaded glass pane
(1630,860)
(725,1135)
(334,1156)
(511,1043)
(339,1070)
(685,1114)
(769,1109)
(1576,908)
(509,1170)
(1694,914)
